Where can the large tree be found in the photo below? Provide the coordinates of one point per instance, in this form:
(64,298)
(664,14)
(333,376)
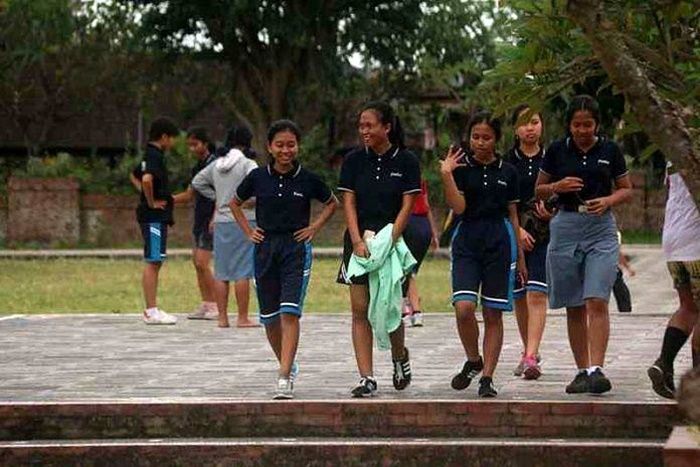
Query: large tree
(645,51)
(291,56)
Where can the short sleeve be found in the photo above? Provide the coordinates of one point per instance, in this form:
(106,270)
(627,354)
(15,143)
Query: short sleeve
(246,189)
(618,163)
(153,164)
(411,179)
(513,186)
(460,177)
(319,190)
(549,163)
(348,174)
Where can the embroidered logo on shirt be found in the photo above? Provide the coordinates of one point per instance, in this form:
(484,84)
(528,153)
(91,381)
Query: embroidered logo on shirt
(296,193)
(501,182)
(396,174)
(603,161)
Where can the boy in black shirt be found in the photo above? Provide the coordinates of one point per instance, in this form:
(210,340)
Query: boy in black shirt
(155,213)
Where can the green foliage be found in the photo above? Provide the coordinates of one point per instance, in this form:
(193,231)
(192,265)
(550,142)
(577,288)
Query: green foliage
(96,176)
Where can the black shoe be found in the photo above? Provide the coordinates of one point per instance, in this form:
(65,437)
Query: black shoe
(598,383)
(580,384)
(486,388)
(463,379)
(367,387)
(402,372)
(662,380)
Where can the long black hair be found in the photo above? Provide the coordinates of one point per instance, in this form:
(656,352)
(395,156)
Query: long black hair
(387,116)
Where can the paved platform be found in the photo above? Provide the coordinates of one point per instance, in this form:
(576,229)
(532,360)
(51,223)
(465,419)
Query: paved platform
(106,357)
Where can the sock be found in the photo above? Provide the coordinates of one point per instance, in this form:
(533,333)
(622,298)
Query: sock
(211,306)
(593,368)
(581,371)
(674,339)
(417,312)
(150,312)
(485,379)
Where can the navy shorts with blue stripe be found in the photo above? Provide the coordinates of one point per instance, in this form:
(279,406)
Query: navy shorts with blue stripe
(483,263)
(536,261)
(155,241)
(282,272)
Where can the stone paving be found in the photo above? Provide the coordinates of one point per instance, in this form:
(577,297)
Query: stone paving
(99,357)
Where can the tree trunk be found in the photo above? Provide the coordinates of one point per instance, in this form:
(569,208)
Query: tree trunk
(661,119)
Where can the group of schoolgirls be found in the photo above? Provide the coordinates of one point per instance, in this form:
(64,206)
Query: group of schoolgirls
(534,226)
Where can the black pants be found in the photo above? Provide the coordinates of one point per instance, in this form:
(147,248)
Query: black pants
(622,294)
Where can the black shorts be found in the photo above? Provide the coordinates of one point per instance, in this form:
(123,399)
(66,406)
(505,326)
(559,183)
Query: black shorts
(342,272)
(155,241)
(536,261)
(282,272)
(483,263)
(418,236)
(203,240)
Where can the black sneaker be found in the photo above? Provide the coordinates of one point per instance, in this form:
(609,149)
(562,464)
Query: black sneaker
(598,383)
(662,380)
(486,388)
(580,384)
(402,372)
(366,388)
(463,379)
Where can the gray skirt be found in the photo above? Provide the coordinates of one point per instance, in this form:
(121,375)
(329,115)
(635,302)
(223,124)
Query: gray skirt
(233,252)
(582,258)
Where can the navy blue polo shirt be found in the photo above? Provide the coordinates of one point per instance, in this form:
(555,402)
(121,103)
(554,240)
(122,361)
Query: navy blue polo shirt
(283,201)
(528,168)
(598,168)
(154,163)
(488,189)
(379,183)
(203,206)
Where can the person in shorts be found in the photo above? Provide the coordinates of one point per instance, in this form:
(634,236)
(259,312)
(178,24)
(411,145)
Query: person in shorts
(155,213)
(283,191)
(202,239)
(681,244)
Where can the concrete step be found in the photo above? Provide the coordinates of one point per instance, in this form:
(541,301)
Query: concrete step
(483,452)
(333,418)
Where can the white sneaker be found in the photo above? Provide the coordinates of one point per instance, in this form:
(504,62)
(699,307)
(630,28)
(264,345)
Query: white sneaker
(160,317)
(285,389)
(417,320)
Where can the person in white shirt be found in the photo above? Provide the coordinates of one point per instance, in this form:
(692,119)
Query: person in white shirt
(681,244)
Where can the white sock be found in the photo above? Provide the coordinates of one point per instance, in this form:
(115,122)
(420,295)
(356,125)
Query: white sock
(150,312)
(592,369)
(211,306)
(581,370)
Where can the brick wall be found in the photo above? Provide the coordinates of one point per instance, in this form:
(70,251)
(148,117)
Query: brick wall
(54,213)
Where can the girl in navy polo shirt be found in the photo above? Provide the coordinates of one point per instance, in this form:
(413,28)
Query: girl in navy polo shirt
(583,249)
(379,183)
(482,190)
(530,298)
(283,191)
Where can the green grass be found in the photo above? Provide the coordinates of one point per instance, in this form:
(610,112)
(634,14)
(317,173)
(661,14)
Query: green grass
(646,237)
(114,286)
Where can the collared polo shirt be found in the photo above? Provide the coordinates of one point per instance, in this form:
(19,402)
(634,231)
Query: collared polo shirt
(598,168)
(487,189)
(283,201)
(379,182)
(528,168)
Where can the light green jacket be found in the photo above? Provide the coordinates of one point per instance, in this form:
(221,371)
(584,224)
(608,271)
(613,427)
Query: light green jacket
(387,265)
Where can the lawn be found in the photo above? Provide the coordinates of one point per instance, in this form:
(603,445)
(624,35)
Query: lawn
(114,286)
